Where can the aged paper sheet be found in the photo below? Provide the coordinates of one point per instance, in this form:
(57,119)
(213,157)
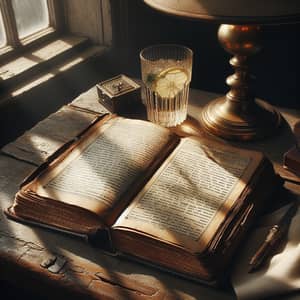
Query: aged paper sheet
(108,165)
(188,193)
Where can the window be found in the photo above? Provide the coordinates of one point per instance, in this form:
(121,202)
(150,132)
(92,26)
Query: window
(25,22)
(30,16)
(2,32)
(40,39)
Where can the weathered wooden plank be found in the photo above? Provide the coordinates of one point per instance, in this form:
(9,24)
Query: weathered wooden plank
(44,54)
(37,144)
(56,70)
(96,274)
(12,173)
(88,271)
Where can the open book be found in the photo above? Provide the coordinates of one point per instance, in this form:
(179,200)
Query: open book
(182,204)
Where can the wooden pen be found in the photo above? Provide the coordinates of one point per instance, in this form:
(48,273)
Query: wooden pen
(272,240)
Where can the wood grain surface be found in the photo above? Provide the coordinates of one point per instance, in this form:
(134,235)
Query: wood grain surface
(79,269)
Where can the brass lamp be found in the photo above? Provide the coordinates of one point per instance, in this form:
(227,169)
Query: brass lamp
(237,115)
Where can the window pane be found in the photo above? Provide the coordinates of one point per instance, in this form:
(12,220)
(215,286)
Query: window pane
(31,16)
(2,32)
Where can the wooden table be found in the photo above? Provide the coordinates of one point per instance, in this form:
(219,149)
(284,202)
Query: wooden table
(80,269)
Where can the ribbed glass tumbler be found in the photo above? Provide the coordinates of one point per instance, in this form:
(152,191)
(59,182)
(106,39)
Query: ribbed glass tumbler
(166,74)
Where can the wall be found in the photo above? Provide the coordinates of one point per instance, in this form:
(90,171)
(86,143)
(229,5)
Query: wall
(137,26)
(276,67)
(91,19)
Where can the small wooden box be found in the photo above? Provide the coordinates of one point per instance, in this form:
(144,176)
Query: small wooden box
(119,94)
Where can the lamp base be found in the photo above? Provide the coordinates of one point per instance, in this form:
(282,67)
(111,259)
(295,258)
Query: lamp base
(218,119)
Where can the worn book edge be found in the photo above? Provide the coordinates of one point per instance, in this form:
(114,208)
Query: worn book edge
(291,160)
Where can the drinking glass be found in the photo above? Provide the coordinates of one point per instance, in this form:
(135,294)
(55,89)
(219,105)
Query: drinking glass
(166,74)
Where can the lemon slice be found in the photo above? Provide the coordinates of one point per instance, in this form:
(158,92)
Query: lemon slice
(170,82)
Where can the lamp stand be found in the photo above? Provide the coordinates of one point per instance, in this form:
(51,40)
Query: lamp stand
(238,115)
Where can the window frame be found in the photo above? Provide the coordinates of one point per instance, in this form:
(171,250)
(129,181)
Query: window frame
(14,45)
(61,46)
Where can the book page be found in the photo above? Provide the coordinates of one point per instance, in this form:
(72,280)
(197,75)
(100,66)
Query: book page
(116,155)
(189,196)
